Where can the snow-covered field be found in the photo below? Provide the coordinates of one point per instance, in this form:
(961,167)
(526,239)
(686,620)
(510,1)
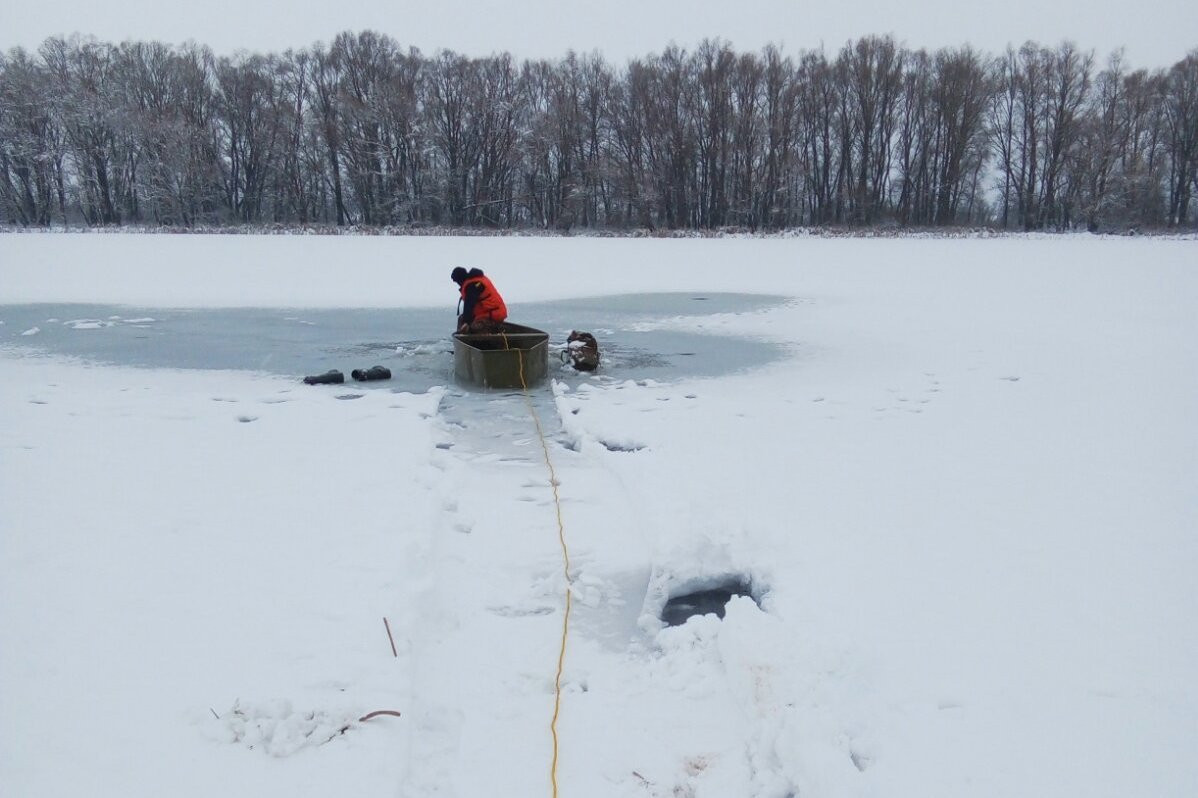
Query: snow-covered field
(966,503)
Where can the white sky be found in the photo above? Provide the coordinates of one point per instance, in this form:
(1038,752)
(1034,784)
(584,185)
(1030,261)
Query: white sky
(1153,32)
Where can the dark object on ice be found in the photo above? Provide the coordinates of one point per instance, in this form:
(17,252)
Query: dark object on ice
(515,357)
(701,602)
(583,350)
(330,377)
(372,373)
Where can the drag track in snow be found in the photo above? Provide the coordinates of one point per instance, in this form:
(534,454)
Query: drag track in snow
(622,573)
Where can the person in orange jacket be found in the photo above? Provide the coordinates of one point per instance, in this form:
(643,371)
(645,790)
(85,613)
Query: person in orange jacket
(483,310)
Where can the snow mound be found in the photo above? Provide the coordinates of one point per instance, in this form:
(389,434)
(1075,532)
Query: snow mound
(276,728)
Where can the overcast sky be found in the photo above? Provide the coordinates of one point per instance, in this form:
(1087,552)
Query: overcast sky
(1153,32)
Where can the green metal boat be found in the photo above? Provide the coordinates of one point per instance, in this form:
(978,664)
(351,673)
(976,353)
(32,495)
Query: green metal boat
(515,357)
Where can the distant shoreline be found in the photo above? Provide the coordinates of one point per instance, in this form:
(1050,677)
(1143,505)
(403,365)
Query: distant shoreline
(469,232)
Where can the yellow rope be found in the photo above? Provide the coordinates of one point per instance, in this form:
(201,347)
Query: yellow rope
(561,537)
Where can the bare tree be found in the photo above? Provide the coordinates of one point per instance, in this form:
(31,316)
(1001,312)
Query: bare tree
(873,69)
(630,111)
(250,128)
(326,82)
(450,85)
(496,107)
(1140,176)
(709,106)
(671,139)
(364,132)
(379,120)
(1181,114)
(821,106)
(779,185)
(960,99)
(82,94)
(32,144)
(1067,91)
(747,168)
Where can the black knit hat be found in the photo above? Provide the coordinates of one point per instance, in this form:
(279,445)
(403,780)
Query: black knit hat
(458,274)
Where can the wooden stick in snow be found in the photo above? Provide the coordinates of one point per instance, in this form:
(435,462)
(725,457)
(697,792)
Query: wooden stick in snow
(394,653)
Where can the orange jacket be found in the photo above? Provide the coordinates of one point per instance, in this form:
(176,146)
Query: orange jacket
(487,304)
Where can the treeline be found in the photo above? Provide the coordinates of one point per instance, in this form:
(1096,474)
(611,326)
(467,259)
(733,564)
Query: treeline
(364,132)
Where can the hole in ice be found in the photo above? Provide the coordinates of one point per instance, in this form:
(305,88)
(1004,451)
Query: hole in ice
(707,598)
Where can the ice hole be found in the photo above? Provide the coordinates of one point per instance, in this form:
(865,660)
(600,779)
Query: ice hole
(706,598)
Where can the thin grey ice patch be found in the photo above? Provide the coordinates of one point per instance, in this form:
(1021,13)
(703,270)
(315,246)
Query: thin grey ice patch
(419,349)
(413,342)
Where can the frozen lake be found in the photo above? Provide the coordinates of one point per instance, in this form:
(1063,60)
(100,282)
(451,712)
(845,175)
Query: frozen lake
(413,342)
(946,505)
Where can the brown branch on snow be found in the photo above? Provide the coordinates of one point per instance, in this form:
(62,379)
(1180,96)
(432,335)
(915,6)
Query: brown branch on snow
(363,719)
(394,653)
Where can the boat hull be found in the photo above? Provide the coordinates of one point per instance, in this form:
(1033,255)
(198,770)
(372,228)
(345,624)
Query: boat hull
(517,357)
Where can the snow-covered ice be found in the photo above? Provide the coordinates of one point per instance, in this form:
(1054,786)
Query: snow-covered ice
(961,493)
